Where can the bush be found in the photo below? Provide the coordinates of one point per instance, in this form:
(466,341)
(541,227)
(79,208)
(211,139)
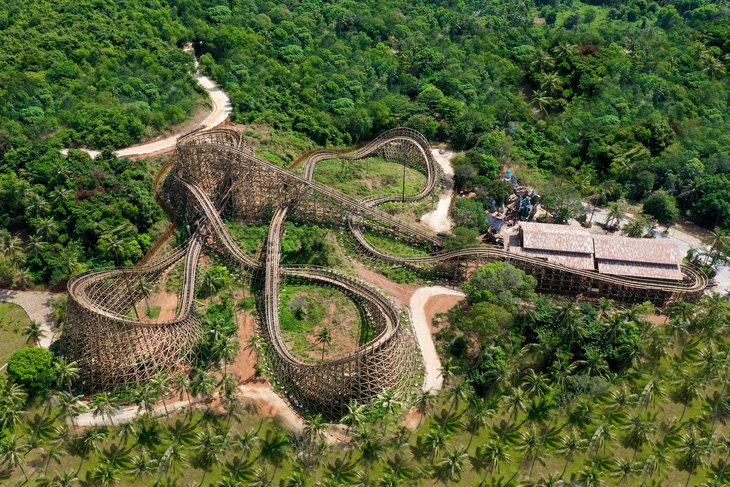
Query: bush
(33,369)
(662,206)
(501,284)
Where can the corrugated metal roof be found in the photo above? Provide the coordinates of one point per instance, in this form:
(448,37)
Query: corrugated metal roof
(652,251)
(575,260)
(639,269)
(562,238)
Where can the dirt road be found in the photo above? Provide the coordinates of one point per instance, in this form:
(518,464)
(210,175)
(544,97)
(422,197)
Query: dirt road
(438,219)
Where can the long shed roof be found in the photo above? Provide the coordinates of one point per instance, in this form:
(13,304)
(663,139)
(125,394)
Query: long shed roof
(563,238)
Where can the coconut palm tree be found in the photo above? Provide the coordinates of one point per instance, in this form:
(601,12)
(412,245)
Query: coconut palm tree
(355,416)
(542,100)
(422,402)
(66,372)
(161,384)
(12,454)
(88,442)
(625,469)
(208,451)
(490,458)
(571,445)
(693,453)
(687,389)
(274,450)
(36,246)
(33,333)
(181,382)
(145,288)
(106,474)
(371,450)
(141,466)
(478,411)
(452,465)
(719,244)
(244,444)
(46,227)
(102,404)
(324,336)
(635,228)
(227,350)
(639,433)
(616,213)
(388,403)
(655,462)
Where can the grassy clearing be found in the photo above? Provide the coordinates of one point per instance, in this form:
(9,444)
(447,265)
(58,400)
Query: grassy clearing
(307,309)
(277,147)
(13,319)
(372,176)
(248,237)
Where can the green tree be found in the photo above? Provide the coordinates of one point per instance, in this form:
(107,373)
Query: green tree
(33,369)
(662,206)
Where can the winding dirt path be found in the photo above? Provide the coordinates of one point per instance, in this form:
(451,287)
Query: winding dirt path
(221,110)
(438,219)
(433,381)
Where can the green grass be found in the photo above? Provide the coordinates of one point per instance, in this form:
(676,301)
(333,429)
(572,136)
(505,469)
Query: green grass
(372,176)
(154,312)
(248,237)
(305,309)
(13,319)
(392,246)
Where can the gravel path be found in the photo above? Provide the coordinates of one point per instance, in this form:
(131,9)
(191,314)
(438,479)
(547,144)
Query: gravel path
(222,108)
(433,381)
(438,219)
(38,307)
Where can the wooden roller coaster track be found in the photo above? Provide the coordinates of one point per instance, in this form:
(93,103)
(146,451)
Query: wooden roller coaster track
(212,172)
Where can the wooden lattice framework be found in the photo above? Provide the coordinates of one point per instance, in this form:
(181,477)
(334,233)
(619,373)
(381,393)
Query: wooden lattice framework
(212,172)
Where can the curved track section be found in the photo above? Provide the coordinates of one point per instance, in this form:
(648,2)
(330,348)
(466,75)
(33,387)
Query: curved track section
(114,347)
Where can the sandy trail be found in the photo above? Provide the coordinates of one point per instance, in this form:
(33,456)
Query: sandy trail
(433,380)
(221,110)
(438,219)
(38,306)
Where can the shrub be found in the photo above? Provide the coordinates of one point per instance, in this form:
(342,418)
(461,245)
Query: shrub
(33,369)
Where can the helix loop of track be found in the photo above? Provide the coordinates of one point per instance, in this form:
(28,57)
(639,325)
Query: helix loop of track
(212,172)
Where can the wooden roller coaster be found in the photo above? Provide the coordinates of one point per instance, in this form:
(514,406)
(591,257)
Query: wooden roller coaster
(213,172)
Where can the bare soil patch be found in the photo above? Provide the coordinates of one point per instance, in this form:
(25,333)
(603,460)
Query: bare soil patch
(401,293)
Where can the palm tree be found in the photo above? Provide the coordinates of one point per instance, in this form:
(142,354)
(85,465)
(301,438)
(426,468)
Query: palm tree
(542,60)
(434,441)
(244,444)
(140,466)
(459,392)
(693,453)
(54,452)
(66,479)
(543,100)
(718,243)
(564,50)
(274,450)
(105,474)
(101,404)
(625,469)
(688,388)
(616,213)
(145,288)
(211,281)
(46,227)
(422,402)
(478,411)
(33,332)
(571,445)
(66,372)
(325,338)
(12,454)
(654,463)
(88,442)
(228,351)
(635,228)
(388,403)
(355,416)
(490,457)
(452,466)
(371,450)
(203,384)
(182,383)
(208,451)
(639,433)
(252,343)
(112,242)
(161,384)
(590,476)
(649,393)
